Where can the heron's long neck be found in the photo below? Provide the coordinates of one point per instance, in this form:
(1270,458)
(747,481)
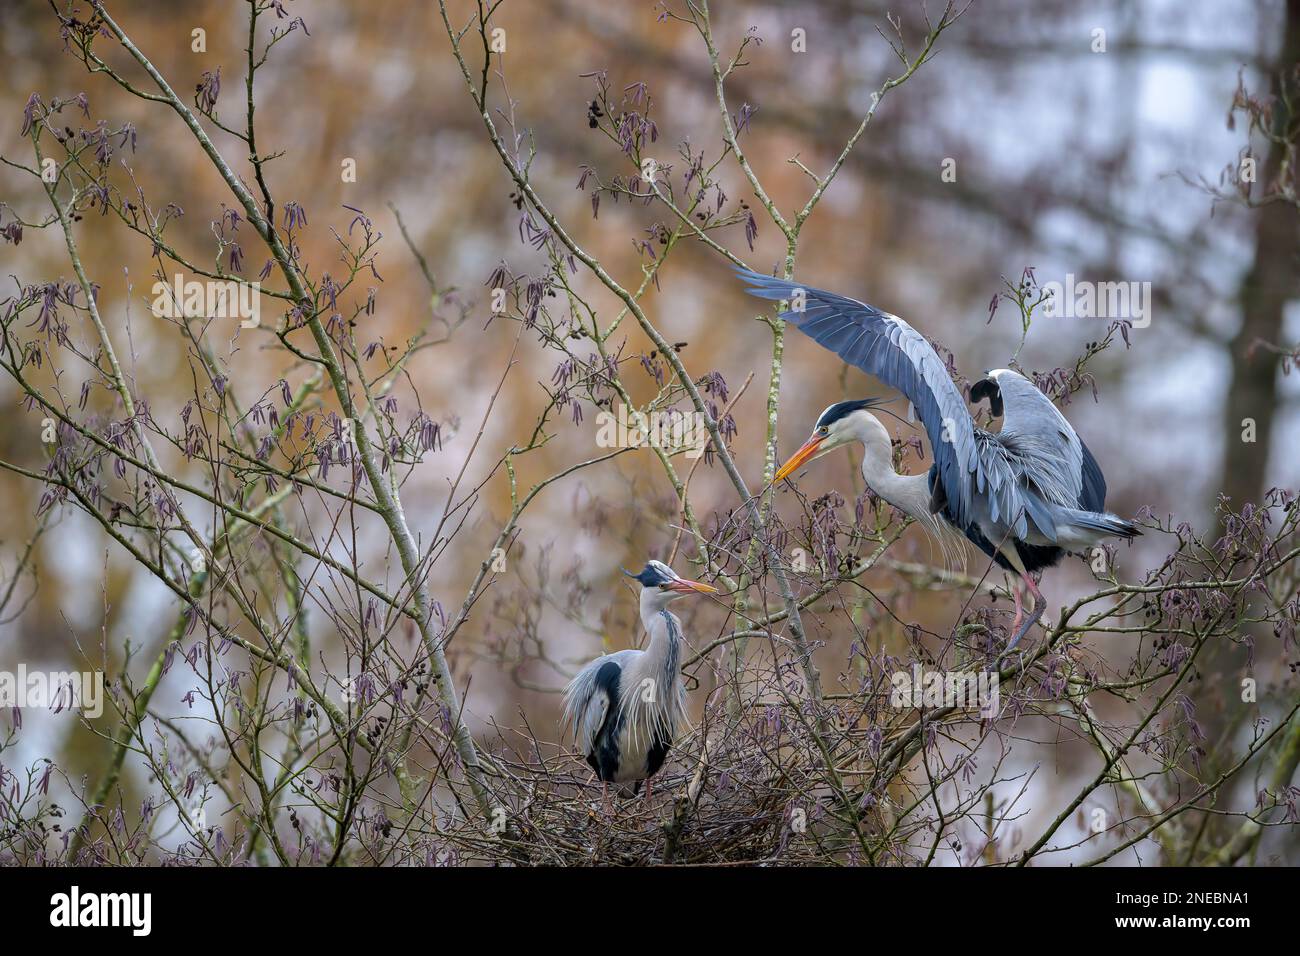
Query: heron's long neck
(663,654)
(653,696)
(908,493)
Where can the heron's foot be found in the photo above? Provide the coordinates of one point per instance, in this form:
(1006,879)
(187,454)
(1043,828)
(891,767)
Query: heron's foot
(1034,599)
(1024,628)
(1018,654)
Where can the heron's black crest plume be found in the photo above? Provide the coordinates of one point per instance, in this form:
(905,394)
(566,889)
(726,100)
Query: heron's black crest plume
(653,575)
(840,409)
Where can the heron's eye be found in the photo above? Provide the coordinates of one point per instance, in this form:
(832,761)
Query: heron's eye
(823,431)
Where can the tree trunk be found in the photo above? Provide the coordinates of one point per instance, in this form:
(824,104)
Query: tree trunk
(1271,281)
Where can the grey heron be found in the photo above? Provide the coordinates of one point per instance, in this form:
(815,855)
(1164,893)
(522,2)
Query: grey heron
(624,709)
(1024,495)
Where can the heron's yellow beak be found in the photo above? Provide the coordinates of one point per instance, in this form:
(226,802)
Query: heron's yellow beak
(808,451)
(681,584)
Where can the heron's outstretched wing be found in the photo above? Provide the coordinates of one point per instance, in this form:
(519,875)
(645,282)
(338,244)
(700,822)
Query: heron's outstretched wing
(885,346)
(590,696)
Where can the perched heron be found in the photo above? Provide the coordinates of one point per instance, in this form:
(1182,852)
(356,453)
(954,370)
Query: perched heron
(624,709)
(1024,495)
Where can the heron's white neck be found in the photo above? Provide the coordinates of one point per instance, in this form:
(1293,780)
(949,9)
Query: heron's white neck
(908,493)
(661,659)
(662,625)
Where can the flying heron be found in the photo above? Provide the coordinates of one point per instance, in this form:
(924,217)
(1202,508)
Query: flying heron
(624,709)
(1024,495)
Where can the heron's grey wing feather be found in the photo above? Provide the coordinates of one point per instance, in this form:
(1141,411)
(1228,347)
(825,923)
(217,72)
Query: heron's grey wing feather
(998,485)
(1094,483)
(885,346)
(587,700)
(1046,444)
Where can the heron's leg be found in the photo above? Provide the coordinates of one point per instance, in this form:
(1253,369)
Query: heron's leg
(649,791)
(604,798)
(1020,608)
(1040,605)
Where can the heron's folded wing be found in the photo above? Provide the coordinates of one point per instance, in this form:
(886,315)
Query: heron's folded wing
(885,346)
(1094,483)
(588,699)
(1047,445)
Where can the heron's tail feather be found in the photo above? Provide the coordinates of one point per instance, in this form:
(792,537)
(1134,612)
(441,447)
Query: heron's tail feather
(1098,524)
